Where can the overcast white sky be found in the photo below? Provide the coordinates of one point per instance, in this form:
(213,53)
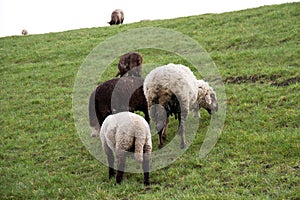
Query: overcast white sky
(43,16)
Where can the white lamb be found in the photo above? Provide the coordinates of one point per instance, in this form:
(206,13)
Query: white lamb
(122,133)
(173,89)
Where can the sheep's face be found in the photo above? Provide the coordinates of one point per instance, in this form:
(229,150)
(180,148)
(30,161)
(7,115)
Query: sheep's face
(211,104)
(207,97)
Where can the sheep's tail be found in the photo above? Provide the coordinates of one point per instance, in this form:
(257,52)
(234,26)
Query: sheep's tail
(139,148)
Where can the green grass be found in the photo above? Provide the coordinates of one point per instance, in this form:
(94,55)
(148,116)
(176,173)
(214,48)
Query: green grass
(256,157)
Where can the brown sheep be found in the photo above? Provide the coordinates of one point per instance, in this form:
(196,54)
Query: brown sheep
(129,61)
(117,17)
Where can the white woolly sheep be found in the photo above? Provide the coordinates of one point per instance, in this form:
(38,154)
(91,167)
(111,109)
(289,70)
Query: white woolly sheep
(117,17)
(173,89)
(122,133)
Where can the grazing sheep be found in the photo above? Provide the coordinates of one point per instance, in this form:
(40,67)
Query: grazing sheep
(130,64)
(24,32)
(116,95)
(117,17)
(126,132)
(173,89)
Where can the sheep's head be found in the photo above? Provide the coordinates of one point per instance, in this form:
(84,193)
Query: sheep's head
(207,98)
(130,63)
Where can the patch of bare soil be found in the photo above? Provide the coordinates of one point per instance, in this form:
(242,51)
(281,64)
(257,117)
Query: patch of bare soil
(287,82)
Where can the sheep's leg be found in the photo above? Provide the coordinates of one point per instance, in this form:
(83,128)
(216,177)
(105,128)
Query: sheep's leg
(160,140)
(146,168)
(159,115)
(121,158)
(181,131)
(153,110)
(111,160)
(164,133)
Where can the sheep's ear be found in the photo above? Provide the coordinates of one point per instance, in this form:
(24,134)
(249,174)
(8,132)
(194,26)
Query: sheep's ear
(200,85)
(122,66)
(200,89)
(208,99)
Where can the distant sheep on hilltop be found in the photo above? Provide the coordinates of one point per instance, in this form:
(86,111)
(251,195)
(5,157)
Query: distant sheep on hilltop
(24,32)
(117,17)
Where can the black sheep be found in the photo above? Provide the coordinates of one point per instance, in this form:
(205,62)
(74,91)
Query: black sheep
(114,96)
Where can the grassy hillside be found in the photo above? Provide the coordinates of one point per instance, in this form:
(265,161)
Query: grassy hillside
(257,156)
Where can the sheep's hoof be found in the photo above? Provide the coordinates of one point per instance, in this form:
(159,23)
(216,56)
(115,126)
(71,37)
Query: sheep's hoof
(183,145)
(147,188)
(164,137)
(147,183)
(118,180)
(111,173)
(160,146)
(111,176)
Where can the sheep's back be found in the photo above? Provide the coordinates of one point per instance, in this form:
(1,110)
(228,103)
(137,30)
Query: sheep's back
(128,94)
(120,94)
(174,79)
(117,14)
(119,130)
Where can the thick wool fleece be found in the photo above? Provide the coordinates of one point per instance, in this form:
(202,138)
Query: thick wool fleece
(125,131)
